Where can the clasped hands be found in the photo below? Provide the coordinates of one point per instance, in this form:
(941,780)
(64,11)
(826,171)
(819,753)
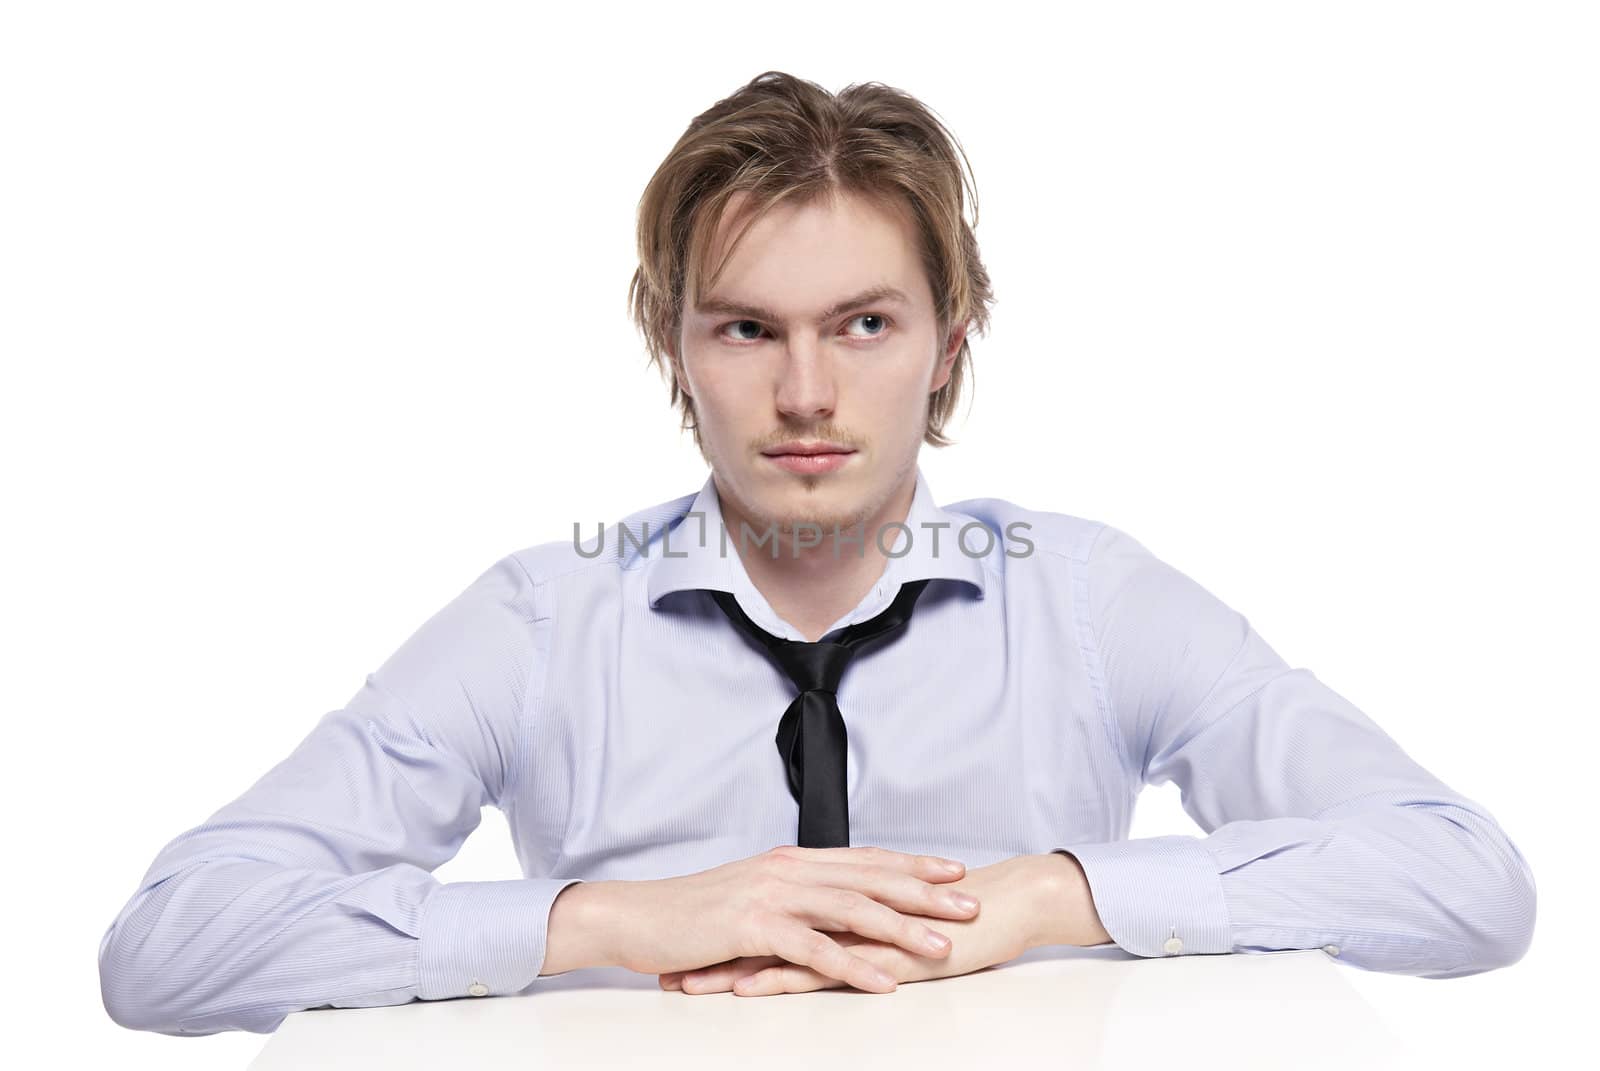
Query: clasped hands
(883,906)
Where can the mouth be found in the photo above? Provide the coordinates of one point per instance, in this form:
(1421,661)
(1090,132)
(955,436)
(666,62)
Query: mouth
(805,449)
(810,458)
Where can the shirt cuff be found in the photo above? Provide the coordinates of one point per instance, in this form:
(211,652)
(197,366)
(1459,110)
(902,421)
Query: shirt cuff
(1157,896)
(485,938)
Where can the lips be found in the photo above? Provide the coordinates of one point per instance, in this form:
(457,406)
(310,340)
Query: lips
(812,464)
(807,449)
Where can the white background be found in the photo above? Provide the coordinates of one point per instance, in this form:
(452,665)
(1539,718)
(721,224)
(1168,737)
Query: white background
(312,311)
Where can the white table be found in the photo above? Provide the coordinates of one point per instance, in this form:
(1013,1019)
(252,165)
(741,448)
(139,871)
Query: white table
(1074,1007)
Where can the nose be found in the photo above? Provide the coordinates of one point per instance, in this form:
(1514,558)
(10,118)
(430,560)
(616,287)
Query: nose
(806,385)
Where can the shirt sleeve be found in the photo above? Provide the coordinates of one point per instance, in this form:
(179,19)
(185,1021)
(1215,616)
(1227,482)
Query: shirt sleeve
(313,888)
(1321,831)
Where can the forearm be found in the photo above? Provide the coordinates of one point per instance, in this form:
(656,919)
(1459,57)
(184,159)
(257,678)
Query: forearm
(240,944)
(1430,888)
(1435,891)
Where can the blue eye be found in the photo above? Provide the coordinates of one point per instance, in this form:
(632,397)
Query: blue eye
(741,323)
(874,316)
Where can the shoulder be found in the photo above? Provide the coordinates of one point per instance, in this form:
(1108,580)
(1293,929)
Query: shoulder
(1028,531)
(597,551)
(1100,562)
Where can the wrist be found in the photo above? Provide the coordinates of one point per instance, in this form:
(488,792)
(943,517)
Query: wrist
(584,927)
(1067,914)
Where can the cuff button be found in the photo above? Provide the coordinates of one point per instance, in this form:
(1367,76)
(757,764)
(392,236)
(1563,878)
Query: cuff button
(478,989)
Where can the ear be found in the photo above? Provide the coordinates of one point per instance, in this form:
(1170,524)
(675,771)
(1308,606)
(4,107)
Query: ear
(947,361)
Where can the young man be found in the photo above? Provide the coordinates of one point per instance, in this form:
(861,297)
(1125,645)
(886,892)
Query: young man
(980,683)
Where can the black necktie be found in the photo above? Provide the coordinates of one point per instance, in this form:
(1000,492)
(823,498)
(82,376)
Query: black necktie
(811,733)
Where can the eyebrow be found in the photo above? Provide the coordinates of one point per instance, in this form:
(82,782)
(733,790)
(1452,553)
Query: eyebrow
(871,295)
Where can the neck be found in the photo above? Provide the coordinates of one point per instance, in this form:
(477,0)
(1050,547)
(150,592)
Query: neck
(810,587)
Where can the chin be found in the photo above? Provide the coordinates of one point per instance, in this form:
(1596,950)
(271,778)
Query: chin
(825,511)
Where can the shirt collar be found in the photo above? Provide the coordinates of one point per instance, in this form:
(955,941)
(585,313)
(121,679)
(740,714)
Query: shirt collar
(689,553)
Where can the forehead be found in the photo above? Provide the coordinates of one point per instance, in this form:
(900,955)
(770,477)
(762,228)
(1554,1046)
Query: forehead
(813,253)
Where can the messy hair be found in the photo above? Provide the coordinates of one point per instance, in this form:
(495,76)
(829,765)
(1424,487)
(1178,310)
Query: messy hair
(784,140)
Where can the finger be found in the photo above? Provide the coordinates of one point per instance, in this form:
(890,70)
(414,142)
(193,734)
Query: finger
(926,867)
(844,909)
(675,979)
(714,980)
(788,978)
(671,979)
(886,885)
(720,977)
(805,946)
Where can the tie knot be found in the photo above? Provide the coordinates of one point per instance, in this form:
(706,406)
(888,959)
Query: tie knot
(814,667)
(819,666)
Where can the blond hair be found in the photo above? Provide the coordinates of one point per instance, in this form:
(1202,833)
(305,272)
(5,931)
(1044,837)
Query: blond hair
(781,139)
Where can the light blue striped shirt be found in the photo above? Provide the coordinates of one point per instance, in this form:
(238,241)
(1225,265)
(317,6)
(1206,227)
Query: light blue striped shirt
(625,729)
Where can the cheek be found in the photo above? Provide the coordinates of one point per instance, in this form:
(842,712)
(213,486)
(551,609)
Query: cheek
(905,392)
(727,395)
(727,405)
(712,382)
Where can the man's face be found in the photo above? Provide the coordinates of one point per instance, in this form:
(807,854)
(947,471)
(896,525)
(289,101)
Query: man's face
(860,378)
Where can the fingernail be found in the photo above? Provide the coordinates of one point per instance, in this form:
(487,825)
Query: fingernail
(936,941)
(963,902)
(882,978)
(951,867)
